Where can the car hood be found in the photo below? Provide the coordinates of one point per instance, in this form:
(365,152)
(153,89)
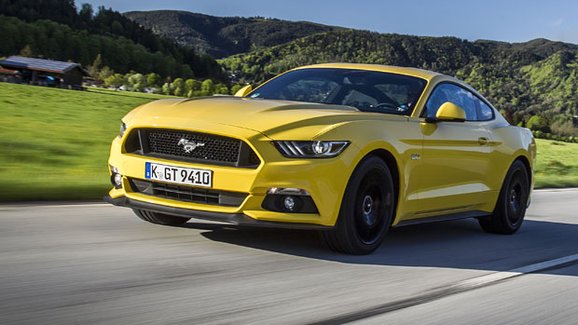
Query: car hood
(269,117)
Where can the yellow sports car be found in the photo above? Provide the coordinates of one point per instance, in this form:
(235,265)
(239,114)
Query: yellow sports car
(349,149)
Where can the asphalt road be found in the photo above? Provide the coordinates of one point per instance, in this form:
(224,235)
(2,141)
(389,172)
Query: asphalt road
(98,264)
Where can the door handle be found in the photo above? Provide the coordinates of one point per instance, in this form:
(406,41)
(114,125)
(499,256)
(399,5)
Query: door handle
(482,141)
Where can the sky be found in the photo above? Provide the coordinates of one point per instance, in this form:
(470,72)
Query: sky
(501,20)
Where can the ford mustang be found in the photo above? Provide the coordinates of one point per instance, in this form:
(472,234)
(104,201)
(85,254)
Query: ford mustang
(349,149)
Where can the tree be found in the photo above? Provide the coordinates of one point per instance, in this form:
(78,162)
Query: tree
(180,92)
(116,28)
(235,88)
(136,81)
(26,51)
(104,73)
(167,88)
(207,87)
(55,29)
(94,68)
(178,86)
(116,80)
(86,13)
(192,86)
(538,123)
(222,89)
(153,79)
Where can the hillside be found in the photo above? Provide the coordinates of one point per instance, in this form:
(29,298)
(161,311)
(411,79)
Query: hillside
(57,29)
(223,36)
(522,80)
(448,55)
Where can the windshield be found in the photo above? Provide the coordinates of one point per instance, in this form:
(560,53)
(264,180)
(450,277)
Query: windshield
(368,91)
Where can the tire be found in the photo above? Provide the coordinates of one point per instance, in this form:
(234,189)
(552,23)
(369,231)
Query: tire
(159,218)
(366,210)
(511,207)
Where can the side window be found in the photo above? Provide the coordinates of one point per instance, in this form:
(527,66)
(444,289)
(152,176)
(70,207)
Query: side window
(485,112)
(476,109)
(440,95)
(465,100)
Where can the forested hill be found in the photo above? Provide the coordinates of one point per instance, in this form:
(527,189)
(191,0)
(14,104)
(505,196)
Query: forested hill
(537,78)
(224,36)
(447,55)
(57,29)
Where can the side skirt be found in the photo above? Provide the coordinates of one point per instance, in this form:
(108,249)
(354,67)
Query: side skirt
(448,217)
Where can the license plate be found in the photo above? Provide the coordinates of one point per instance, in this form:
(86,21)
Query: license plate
(179,175)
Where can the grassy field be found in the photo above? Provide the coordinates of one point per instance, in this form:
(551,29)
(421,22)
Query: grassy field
(55,143)
(556,164)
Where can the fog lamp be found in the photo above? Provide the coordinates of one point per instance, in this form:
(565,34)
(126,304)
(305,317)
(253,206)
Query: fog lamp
(289,203)
(115,177)
(288,199)
(118,180)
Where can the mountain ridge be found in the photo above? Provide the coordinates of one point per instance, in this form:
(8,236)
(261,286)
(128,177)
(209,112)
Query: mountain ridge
(223,36)
(150,20)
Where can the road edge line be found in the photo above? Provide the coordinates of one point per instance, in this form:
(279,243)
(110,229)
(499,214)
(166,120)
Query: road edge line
(459,287)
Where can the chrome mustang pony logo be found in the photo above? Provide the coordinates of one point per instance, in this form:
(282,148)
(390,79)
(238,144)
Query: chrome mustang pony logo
(189,145)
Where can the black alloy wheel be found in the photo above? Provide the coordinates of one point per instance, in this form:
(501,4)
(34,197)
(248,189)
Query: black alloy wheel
(366,210)
(369,223)
(510,210)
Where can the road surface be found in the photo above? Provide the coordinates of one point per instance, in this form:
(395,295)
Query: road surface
(99,264)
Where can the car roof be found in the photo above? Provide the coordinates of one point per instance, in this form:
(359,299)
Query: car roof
(424,74)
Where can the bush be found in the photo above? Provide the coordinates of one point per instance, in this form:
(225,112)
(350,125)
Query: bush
(538,123)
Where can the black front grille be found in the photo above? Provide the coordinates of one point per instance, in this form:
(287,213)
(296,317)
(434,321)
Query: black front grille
(191,146)
(187,193)
(213,148)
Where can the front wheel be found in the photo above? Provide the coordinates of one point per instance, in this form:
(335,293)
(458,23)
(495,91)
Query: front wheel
(366,210)
(512,202)
(159,218)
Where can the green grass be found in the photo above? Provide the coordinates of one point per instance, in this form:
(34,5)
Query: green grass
(556,164)
(55,143)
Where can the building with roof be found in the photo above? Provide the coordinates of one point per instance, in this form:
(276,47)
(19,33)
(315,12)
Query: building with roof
(45,72)
(7,75)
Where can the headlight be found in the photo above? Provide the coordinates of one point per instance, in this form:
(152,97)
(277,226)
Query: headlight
(122,129)
(310,149)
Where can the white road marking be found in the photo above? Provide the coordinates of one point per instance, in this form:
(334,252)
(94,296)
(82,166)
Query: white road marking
(499,276)
(443,292)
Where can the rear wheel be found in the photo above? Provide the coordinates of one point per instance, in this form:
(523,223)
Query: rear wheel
(512,202)
(366,210)
(159,218)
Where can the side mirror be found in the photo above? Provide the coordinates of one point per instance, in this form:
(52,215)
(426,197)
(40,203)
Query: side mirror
(449,112)
(243,91)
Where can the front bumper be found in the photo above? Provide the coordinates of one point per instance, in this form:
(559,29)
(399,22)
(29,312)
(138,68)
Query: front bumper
(324,179)
(235,219)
